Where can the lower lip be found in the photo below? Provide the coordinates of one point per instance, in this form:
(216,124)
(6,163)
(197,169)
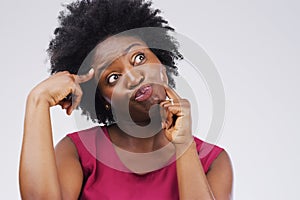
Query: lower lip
(146,95)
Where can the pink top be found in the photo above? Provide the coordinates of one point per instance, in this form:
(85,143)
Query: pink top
(106,178)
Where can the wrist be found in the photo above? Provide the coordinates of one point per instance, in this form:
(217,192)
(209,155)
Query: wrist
(37,98)
(183,148)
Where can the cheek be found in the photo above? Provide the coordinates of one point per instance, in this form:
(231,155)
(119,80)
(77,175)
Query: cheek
(115,94)
(107,96)
(164,77)
(156,73)
(161,92)
(105,92)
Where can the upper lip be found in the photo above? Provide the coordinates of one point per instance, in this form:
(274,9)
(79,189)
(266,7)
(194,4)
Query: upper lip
(140,88)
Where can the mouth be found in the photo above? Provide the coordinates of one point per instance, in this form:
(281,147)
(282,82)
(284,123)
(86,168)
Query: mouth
(143,93)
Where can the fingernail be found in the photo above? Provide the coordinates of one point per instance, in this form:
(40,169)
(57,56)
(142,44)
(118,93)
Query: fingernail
(71,110)
(162,125)
(91,71)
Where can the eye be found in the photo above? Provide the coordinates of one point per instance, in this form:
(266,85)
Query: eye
(139,58)
(113,78)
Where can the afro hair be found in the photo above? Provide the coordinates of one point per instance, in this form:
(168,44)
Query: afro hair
(83,24)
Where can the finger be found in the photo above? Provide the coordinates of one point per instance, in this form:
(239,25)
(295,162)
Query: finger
(168,119)
(170,103)
(164,103)
(169,136)
(173,113)
(163,113)
(163,125)
(77,95)
(85,77)
(175,110)
(171,93)
(182,103)
(66,104)
(68,98)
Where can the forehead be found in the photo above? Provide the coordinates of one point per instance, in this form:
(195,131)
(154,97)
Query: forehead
(114,47)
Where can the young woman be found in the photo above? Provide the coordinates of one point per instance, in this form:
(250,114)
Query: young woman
(126,87)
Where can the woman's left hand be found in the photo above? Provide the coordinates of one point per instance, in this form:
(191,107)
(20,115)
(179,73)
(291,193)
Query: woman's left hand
(176,120)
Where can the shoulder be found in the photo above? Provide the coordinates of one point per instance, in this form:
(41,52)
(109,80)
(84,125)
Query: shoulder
(86,138)
(207,152)
(222,161)
(66,147)
(220,176)
(218,168)
(69,168)
(86,133)
(86,144)
(207,149)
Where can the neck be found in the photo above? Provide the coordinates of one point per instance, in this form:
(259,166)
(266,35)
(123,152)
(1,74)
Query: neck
(135,144)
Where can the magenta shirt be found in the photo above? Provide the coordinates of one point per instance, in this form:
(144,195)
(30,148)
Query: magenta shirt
(104,182)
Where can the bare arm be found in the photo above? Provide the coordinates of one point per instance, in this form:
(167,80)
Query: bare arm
(39,175)
(220,177)
(193,183)
(69,169)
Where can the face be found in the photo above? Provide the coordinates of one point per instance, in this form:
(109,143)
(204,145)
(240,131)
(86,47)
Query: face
(130,77)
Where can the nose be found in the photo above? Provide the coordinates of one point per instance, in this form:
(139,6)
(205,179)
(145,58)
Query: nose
(134,78)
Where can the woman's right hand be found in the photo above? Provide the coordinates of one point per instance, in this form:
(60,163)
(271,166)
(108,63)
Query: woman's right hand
(39,165)
(57,87)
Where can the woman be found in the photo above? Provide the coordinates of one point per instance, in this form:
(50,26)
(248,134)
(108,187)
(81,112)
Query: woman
(124,69)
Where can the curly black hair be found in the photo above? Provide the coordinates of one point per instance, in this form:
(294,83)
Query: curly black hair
(83,24)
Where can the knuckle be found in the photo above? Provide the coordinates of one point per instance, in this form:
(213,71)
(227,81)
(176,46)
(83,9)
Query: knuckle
(78,99)
(65,72)
(80,93)
(71,76)
(186,102)
(73,84)
(69,80)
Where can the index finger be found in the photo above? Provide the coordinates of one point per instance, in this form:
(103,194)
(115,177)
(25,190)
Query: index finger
(85,77)
(171,93)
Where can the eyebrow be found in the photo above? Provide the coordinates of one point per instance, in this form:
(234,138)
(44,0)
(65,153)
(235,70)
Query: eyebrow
(99,71)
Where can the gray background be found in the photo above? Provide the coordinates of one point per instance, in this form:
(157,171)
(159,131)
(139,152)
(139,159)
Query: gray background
(255,46)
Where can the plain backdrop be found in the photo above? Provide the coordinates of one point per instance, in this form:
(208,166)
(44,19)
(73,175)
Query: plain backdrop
(255,46)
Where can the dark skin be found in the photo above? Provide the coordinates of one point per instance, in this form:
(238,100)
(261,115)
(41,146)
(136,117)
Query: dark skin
(59,175)
(137,54)
(110,83)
